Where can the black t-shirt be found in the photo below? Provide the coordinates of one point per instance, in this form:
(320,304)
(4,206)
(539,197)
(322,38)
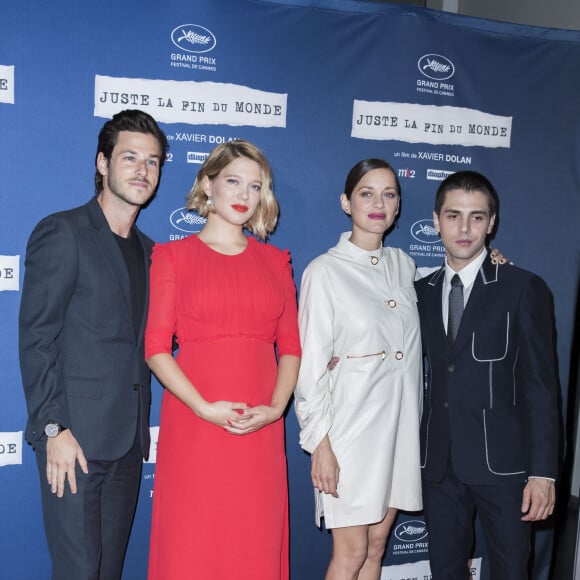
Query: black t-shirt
(135,261)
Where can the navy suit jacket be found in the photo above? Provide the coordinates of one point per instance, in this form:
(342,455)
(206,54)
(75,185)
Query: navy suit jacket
(81,358)
(491,398)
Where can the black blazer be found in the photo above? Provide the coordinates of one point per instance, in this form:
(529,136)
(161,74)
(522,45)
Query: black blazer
(491,399)
(81,358)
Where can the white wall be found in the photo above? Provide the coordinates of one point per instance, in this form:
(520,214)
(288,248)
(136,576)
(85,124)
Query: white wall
(552,13)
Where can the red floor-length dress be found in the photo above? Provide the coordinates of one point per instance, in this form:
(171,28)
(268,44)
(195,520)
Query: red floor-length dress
(220,505)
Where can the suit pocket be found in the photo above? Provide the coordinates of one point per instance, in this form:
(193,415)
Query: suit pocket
(83,387)
(504,445)
(490,342)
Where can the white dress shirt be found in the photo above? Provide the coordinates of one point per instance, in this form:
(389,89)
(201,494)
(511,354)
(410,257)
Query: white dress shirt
(467,275)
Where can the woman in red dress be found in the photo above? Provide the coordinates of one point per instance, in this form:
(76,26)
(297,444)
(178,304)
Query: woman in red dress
(220,507)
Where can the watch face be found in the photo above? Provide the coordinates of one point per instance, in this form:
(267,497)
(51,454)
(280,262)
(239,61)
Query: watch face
(52,429)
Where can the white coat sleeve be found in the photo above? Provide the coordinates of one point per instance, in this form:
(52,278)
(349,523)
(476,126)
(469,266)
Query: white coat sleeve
(312,397)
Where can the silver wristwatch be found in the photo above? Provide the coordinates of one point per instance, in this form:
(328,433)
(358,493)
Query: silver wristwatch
(52,429)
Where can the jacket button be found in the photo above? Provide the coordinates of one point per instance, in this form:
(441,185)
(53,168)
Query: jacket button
(391,303)
(398,355)
(136,387)
(451,368)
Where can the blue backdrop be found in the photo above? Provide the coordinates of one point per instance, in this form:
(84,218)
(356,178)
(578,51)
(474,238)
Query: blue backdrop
(318,85)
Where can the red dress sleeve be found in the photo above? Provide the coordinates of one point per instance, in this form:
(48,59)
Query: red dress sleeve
(162,315)
(287,335)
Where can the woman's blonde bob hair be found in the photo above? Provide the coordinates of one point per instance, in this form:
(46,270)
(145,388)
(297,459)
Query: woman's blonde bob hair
(265,218)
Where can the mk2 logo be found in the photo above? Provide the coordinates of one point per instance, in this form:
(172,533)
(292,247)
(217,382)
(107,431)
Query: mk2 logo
(406,173)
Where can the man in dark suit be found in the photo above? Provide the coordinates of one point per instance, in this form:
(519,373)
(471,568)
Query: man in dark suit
(489,431)
(81,329)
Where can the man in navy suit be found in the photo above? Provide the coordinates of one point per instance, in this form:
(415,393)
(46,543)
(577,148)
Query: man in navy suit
(81,329)
(489,431)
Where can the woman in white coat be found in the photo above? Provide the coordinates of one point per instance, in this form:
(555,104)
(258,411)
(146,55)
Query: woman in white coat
(360,418)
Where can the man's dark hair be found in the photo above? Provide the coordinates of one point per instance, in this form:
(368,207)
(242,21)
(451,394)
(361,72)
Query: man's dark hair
(129,120)
(468,181)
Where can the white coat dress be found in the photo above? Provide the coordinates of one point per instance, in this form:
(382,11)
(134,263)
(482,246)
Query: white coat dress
(361,306)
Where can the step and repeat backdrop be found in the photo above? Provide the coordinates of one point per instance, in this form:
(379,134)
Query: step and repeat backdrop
(318,85)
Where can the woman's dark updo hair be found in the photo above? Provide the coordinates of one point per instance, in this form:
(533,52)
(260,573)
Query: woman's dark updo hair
(362,168)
